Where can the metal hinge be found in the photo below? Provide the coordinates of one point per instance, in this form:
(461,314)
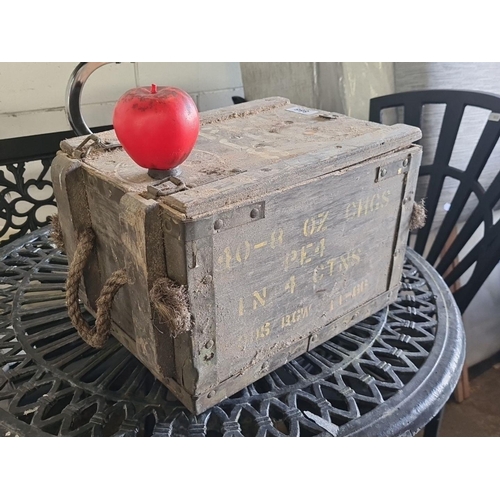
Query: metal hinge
(169,185)
(95,142)
(394,169)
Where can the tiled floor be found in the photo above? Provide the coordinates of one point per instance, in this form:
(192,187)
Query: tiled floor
(478,415)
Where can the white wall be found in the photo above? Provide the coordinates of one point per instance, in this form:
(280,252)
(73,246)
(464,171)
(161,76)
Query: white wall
(32,94)
(344,87)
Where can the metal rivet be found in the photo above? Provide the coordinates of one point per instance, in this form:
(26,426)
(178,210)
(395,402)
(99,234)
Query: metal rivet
(406,162)
(383,172)
(168,225)
(209,344)
(314,338)
(254,213)
(218,224)
(211,394)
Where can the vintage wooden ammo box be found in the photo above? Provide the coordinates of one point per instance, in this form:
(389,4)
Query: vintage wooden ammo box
(286,226)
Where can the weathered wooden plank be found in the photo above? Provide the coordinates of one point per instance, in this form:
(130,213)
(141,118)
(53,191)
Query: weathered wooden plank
(143,239)
(410,187)
(109,228)
(61,169)
(214,196)
(318,253)
(243,110)
(173,232)
(75,216)
(200,268)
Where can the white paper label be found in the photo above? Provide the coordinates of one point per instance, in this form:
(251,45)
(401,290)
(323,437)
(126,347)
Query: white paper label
(447,207)
(303,111)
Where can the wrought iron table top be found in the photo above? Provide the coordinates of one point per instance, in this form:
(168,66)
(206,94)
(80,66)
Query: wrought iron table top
(386,376)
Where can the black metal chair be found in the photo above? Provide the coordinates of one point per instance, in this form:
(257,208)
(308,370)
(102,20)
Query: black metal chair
(441,241)
(26,194)
(25,186)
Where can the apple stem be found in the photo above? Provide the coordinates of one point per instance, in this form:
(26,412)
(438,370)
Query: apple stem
(153,88)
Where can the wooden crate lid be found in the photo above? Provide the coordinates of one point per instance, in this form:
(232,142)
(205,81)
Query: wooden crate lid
(250,149)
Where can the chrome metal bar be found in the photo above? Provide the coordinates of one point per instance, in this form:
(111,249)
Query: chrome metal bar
(74,92)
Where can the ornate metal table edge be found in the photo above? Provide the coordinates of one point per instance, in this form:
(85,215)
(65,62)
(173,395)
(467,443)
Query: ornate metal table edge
(387,376)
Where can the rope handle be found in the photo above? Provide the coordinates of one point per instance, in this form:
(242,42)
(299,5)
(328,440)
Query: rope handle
(418,215)
(99,334)
(169,299)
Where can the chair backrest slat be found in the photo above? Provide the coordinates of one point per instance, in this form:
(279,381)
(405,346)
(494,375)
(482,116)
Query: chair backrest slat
(482,214)
(484,264)
(468,182)
(484,147)
(449,131)
(413,114)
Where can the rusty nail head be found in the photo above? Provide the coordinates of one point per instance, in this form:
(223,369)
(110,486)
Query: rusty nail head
(218,224)
(254,213)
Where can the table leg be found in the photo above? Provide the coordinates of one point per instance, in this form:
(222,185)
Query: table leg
(432,428)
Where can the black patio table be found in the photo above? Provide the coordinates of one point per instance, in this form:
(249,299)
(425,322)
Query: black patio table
(389,375)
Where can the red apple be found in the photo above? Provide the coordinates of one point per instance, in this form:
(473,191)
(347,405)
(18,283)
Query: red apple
(157,126)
